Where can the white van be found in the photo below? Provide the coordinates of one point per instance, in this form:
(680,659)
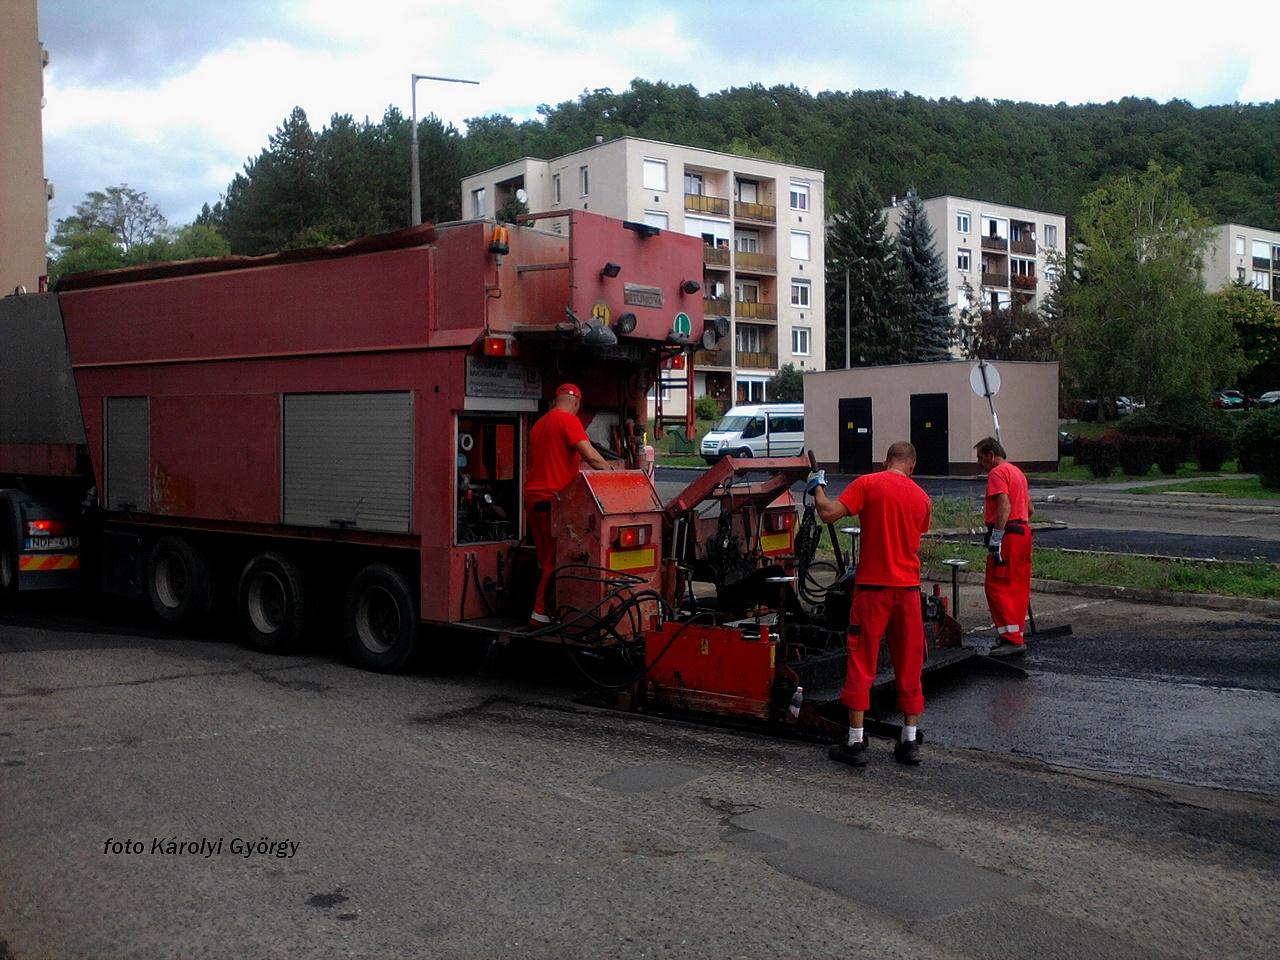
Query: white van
(761,430)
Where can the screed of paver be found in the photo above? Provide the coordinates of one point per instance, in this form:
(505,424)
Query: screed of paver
(906,880)
(649,778)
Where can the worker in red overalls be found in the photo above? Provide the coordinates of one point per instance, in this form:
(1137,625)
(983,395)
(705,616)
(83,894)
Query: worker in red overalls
(558,446)
(893,512)
(1008,577)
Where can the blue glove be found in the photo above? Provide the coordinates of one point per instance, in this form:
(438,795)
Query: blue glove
(993,546)
(816,479)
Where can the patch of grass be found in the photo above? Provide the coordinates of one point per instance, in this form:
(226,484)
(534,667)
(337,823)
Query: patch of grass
(1226,578)
(956,513)
(1241,489)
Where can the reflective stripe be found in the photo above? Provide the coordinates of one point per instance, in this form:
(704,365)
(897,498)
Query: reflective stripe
(50,561)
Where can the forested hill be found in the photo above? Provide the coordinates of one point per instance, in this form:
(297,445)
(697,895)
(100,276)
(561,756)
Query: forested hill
(1043,157)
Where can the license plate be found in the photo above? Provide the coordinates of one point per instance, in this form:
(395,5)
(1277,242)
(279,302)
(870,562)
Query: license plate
(51,543)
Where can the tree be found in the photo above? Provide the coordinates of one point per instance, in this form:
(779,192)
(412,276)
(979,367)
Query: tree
(860,251)
(1013,334)
(925,276)
(1136,321)
(121,213)
(1256,321)
(787,385)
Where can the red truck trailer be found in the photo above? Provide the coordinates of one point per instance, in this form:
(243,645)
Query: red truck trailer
(278,433)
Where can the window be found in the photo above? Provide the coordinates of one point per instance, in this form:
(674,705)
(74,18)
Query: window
(1050,235)
(1022,268)
(1262,251)
(747,291)
(748,191)
(477,203)
(655,174)
(656,218)
(748,241)
(996,228)
(751,391)
(693,184)
(749,339)
(555,189)
(964,261)
(800,341)
(799,195)
(1050,273)
(800,293)
(1261,280)
(799,244)
(962,221)
(583,181)
(1239,246)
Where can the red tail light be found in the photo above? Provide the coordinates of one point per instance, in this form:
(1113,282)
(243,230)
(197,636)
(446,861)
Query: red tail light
(780,521)
(46,528)
(629,538)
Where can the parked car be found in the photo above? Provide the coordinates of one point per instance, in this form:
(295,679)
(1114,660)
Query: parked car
(1229,400)
(1066,444)
(1126,406)
(1269,399)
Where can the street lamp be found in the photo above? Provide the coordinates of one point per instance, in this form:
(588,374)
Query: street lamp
(415,215)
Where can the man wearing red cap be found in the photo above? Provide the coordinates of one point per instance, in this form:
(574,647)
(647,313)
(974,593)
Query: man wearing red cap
(558,445)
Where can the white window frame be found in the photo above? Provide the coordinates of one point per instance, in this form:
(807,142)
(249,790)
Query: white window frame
(478,203)
(755,385)
(555,189)
(742,286)
(752,187)
(800,294)
(801,341)
(799,195)
(963,221)
(695,184)
(1260,245)
(801,245)
(1239,246)
(964,260)
(1051,235)
(655,174)
(747,241)
(1262,281)
(749,334)
(584,181)
(657,218)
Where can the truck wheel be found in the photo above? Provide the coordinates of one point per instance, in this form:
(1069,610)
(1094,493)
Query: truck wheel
(8,566)
(743,454)
(380,618)
(178,580)
(272,603)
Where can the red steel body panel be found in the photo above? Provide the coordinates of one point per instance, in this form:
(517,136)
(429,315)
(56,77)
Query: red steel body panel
(712,668)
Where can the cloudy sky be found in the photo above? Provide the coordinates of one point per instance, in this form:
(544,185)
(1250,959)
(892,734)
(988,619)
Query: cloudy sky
(171,97)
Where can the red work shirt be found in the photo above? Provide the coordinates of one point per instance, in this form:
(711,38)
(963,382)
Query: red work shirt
(553,461)
(893,512)
(1009,480)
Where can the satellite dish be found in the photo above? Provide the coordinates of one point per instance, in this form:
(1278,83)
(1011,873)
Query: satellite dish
(522,195)
(709,339)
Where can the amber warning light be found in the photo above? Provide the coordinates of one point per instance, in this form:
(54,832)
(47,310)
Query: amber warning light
(631,537)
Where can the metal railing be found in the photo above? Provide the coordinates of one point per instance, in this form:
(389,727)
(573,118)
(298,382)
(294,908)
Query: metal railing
(715,306)
(757,262)
(715,256)
(697,203)
(1022,246)
(995,243)
(758,361)
(756,311)
(995,279)
(755,211)
(719,357)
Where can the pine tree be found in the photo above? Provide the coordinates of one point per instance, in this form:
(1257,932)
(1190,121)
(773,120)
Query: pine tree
(925,274)
(860,251)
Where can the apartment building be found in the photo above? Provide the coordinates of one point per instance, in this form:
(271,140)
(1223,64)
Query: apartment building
(1238,252)
(761,224)
(24,193)
(999,253)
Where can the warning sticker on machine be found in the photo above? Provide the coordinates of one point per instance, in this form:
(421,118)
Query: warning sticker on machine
(503,377)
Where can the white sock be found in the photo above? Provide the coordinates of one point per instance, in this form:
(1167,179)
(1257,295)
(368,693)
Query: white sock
(855,735)
(908,734)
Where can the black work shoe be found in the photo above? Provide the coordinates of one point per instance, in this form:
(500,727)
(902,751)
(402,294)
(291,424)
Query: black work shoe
(907,752)
(1006,648)
(855,755)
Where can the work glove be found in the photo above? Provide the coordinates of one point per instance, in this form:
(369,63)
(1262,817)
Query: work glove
(816,479)
(993,546)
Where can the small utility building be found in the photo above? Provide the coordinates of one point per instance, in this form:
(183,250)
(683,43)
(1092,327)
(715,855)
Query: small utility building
(852,416)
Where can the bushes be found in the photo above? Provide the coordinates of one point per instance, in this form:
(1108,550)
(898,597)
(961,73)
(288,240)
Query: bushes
(1136,455)
(1259,445)
(1099,454)
(1210,451)
(706,408)
(1169,453)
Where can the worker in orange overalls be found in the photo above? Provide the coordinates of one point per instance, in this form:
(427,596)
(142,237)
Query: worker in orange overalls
(558,446)
(893,512)
(1007,514)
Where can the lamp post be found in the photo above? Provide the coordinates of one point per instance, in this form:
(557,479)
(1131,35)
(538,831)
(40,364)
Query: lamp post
(415,215)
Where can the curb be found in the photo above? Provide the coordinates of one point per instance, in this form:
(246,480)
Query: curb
(1165,598)
(1199,505)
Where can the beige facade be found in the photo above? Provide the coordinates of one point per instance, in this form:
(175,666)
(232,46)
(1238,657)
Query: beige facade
(1238,252)
(762,225)
(24,196)
(1000,253)
(852,416)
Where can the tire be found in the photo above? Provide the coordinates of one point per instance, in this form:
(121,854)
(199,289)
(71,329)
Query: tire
(380,619)
(8,565)
(743,454)
(273,604)
(178,581)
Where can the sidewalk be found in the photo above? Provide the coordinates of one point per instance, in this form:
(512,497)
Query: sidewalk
(1110,494)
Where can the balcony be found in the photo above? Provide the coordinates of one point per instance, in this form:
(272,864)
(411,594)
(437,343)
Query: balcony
(1027,282)
(995,279)
(715,306)
(1261,263)
(755,211)
(758,361)
(756,311)
(716,256)
(1023,246)
(721,356)
(697,203)
(757,262)
(995,243)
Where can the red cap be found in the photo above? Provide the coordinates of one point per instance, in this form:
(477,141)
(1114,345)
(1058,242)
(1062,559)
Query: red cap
(570,389)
